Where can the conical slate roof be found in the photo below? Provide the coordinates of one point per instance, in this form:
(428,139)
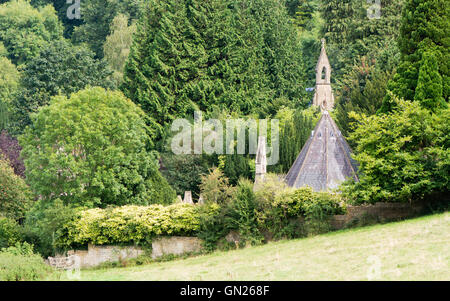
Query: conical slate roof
(325,161)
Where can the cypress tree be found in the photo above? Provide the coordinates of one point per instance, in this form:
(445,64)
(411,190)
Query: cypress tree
(425,26)
(233,56)
(429,85)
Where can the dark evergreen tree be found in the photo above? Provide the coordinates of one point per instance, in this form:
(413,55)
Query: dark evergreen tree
(97,16)
(351,34)
(234,55)
(429,84)
(61,68)
(425,26)
(362,92)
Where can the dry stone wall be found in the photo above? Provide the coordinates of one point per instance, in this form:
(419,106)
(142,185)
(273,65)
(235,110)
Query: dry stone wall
(96,255)
(379,211)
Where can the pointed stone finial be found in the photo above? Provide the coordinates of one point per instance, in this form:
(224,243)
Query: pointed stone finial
(323,42)
(188,197)
(201,201)
(260,161)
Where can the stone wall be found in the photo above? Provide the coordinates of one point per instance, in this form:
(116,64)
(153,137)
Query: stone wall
(96,255)
(175,246)
(379,211)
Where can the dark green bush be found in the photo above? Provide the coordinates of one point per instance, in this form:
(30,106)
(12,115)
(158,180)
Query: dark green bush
(276,211)
(19,263)
(44,226)
(242,213)
(212,227)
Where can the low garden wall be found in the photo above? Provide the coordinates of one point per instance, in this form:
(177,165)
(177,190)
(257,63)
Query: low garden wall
(96,255)
(379,211)
(102,246)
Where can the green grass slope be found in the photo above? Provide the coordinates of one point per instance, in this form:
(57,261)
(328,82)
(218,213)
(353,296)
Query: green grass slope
(417,249)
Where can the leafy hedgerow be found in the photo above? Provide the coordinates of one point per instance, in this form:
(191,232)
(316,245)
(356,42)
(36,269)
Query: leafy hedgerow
(134,224)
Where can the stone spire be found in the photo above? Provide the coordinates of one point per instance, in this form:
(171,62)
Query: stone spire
(323,96)
(260,162)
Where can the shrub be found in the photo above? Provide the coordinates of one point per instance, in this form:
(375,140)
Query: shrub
(215,187)
(242,213)
(44,226)
(15,196)
(317,208)
(184,172)
(93,150)
(288,213)
(134,224)
(19,263)
(403,156)
(10,233)
(274,209)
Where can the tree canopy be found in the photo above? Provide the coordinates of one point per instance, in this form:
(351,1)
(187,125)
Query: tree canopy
(25,30)
(241,56)
(93,150)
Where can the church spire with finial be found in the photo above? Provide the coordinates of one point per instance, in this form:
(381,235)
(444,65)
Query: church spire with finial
(323,96)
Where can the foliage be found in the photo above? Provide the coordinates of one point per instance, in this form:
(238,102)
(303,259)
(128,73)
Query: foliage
(351,34)
(135,224)
(242,213)
(318,208)
(274,219)
(212,227)
(19,263)
(117,45)
(44,225)
(425,27)
(182,60)
(362,92)
(403,155)
(97,16)
(9,85)
(10,149)
(215,187)
(10,233)
(295,129)
(59,69)
(61,8)
(282,209)
(184,172)
(429,84)
(15,195)
(25,30)
(237,166)
(92,149)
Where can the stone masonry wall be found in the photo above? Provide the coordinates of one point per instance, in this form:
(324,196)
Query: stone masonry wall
(379,211)
(96,255)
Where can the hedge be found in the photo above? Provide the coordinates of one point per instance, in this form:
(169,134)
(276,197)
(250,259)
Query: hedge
(134,224)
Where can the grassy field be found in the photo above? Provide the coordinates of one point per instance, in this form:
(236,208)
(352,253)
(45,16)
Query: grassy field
(417,249)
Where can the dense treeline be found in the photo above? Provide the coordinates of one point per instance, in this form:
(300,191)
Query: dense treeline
(237,56)
(86,105)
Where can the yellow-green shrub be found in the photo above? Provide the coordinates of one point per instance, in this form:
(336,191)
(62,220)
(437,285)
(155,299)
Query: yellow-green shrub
(134,224)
